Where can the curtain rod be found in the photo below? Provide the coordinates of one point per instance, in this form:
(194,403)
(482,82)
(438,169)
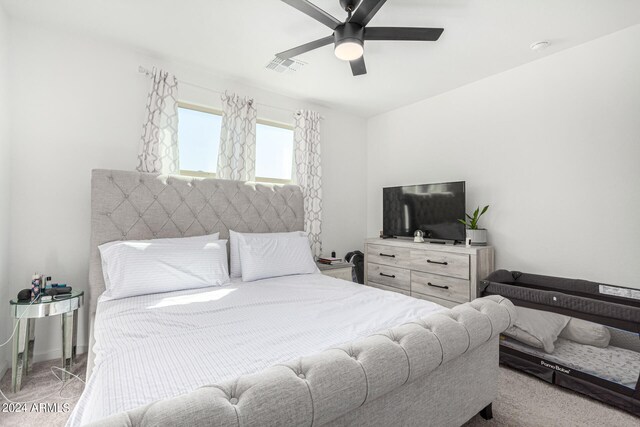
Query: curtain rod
(147,72)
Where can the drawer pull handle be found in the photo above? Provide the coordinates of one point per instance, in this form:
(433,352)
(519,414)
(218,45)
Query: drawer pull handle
(388,275)
(390,256)
(437,286)
(438,262)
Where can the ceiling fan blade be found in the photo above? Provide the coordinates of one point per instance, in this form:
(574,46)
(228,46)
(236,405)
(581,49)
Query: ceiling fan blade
(305,47)
(357,66)
(366,11)
(314,11)
(402,33)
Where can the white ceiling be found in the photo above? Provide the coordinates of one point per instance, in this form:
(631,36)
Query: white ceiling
(238,38)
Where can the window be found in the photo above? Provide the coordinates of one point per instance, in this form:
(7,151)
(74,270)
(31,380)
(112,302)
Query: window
(274,152)
(199,139)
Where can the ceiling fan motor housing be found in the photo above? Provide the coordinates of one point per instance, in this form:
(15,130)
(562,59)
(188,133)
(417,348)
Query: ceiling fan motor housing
(349,5)
(349,32)
(349,41)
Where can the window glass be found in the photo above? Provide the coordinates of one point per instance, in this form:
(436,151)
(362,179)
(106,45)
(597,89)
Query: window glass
(274,151)
(199,139)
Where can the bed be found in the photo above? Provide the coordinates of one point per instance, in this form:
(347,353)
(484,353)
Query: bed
(295,350)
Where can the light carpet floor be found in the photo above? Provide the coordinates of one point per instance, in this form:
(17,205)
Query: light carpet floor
(42,386)
(522,400)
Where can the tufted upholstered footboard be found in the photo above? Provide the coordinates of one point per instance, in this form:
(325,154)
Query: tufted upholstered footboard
(438,370)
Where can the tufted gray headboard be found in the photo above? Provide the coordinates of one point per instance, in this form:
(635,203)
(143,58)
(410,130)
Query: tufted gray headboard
(132,205)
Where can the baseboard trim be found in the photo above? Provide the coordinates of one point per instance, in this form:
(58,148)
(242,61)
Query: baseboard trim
(55,354)
(41,357)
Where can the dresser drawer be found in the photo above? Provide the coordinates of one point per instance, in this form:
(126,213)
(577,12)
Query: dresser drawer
(388,288)
(389,255)
(444,263)
(448,288)
(390,276)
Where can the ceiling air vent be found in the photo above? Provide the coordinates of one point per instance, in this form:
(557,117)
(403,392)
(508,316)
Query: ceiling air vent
(280,65)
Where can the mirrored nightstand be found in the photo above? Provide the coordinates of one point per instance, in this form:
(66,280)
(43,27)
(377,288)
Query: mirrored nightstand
(339,271)
(25,314)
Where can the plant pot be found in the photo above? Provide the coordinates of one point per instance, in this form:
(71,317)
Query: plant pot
(478,237)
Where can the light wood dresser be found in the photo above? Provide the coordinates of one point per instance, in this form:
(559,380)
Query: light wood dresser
(445,274)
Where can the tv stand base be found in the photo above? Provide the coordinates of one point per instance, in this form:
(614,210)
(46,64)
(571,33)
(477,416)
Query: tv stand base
(442,242)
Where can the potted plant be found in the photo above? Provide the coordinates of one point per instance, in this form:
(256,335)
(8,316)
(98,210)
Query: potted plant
(476,236)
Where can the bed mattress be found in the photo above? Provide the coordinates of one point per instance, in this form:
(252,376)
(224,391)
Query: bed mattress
(614,364)
(159,346)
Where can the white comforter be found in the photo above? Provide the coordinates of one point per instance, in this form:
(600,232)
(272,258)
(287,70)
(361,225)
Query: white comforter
(158,346)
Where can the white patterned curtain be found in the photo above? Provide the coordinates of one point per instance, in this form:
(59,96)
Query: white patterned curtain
(308,173)
(237,152)
(159,143)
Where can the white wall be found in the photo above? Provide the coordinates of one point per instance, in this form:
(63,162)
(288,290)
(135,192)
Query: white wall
(5,166)
(553,146)
(79,105)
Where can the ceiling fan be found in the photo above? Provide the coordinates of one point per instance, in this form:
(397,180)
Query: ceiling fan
(349,36)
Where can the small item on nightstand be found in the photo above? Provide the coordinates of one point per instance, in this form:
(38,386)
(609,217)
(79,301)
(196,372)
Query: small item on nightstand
(45,282)
(36,283)
(24,295)
(329,260)
(58,291)
(418,236)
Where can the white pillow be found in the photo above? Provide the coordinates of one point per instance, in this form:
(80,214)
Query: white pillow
(585,332)
(234,248)
(525,337)
(537,328)
(172,240)
(140,267)
(264,257)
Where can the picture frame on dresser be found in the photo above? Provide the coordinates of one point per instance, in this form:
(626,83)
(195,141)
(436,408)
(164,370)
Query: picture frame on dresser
(445,274)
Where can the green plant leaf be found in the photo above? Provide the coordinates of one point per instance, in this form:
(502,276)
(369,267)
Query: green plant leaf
(464,222)
(473,223)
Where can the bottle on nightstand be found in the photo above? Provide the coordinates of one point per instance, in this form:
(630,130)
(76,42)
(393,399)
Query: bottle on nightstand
(36,283)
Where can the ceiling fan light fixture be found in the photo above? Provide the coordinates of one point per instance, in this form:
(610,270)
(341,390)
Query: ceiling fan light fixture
(349,35)
(349,49)
(349,41)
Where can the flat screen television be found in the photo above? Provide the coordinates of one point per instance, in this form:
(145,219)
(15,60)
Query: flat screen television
(432,208)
